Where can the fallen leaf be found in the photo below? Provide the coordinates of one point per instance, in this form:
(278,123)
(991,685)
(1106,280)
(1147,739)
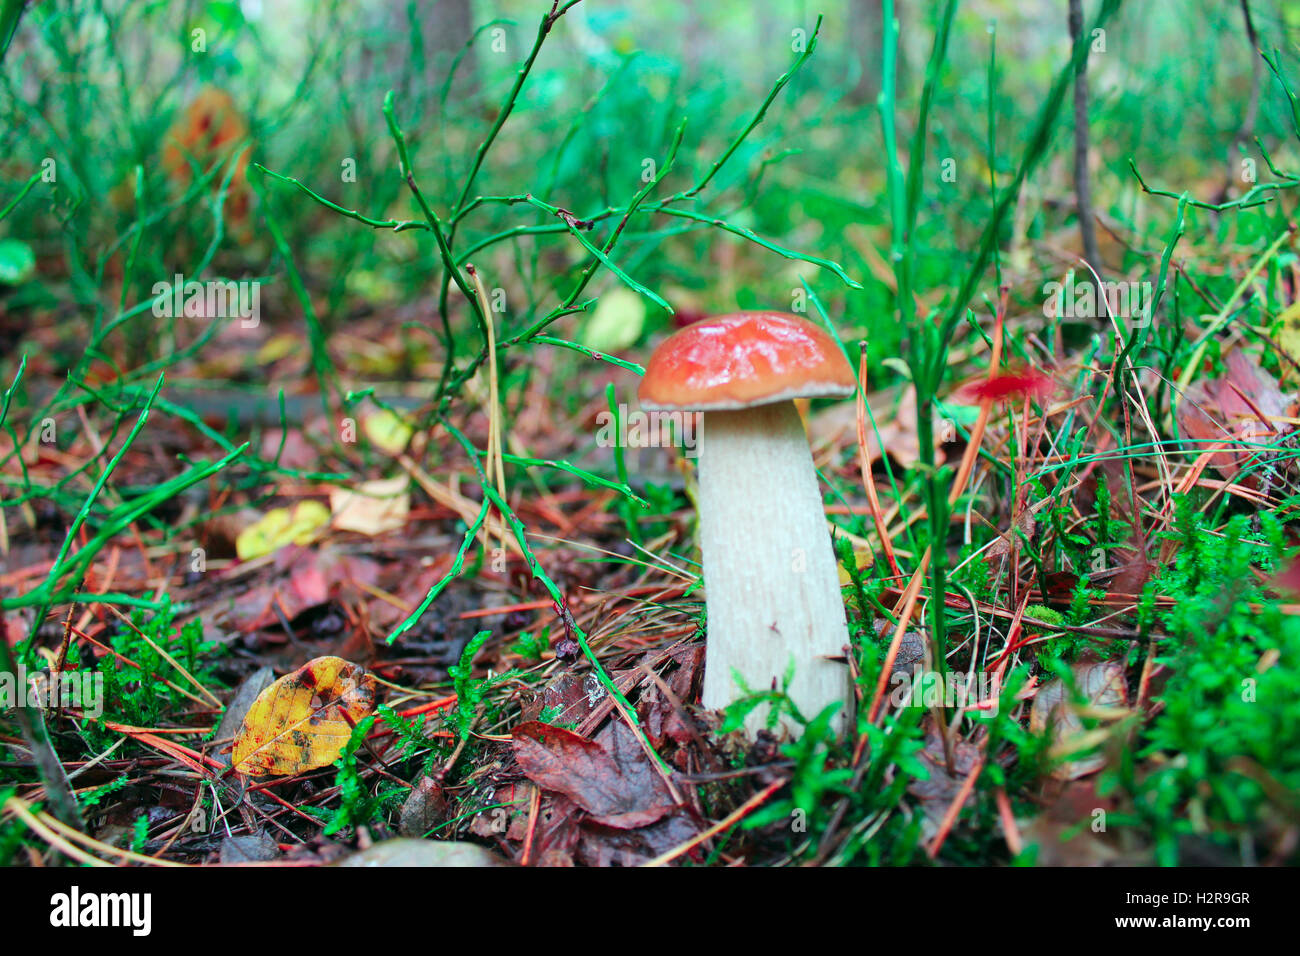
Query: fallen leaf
(278,347)
(567,698)
(1102,685)
(1229,410)
(304,719)
(405,851)
(257,847)
(938,792)
(1057,833)
(617,787)
(1011,542)
(425,807)
(662,717)
(895,416)
(864,558)
(372,507)
(251,688)
(505,815)
(1288,333)
(616,324)
(387,431)
(289,448)
(280,526)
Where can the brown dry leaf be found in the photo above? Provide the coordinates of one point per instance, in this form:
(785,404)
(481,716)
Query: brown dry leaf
(372,507)
(662,717)
(895,416)
(1228,409)
(425,807)
(1102,684)
(617,786)
(404,851)
(506,814)
(568,696)
(304,719)
(245,696)
(940,790)
(1011,542)
(1060,839)
(289,448)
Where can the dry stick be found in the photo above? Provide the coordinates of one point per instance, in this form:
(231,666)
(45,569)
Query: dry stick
(31,723)
(90,842)
(448,498)
(534,812)
(494,461)
(1252,107)
(864,462)
(59,659)
(730,820)
(1148,668)
(17,807)
(954,808)
(1082,189)
(908,600)
(1010,832)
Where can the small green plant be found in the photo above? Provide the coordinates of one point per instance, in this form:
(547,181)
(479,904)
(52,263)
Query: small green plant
(532,647)
(11,830)
(141,695)
(357,806)
(1223,755)
(469,692)
(140,833)
(781,705)
(412,738)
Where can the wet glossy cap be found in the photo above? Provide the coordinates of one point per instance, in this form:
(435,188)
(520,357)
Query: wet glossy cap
(745,359)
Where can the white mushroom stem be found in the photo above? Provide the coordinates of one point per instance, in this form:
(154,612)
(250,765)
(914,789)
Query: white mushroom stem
(770,575)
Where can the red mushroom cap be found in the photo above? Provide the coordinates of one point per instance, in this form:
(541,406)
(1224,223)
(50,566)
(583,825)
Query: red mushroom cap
(748,358)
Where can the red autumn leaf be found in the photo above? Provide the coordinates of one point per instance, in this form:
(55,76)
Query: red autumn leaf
(1026,382)
(1228,410)
(1287,580)
(618,787)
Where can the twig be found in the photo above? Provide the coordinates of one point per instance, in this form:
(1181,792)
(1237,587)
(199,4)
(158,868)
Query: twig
(730,820)
(1082,187)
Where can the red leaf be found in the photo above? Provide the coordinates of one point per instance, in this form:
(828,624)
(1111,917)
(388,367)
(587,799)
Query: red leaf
(618,787)
(1029,382)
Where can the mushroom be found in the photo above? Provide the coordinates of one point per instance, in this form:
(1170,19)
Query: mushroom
(770,578)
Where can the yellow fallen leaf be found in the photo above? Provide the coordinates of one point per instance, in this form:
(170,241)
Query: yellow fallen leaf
(372,507)
(304,719)
(1288,336)
(277,347)
(863,558)
(281,526)
(616,324)
(387,431)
